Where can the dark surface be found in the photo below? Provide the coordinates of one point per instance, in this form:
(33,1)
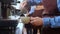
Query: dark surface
(8,22)
(6,1)
(7,26)
(49,30)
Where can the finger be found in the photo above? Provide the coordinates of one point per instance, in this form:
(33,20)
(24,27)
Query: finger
(33,21)
(37,17)
(32,18)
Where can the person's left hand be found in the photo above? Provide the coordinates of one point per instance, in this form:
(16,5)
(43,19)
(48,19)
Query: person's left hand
(36,21)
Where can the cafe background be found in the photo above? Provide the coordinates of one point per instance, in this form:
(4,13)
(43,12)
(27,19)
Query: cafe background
(10,12)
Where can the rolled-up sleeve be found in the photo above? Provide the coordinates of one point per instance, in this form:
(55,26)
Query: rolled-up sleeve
(46,21)
(53,22)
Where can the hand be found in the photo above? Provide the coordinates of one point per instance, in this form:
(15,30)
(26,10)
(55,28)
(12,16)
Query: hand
(36,21)
(23,4)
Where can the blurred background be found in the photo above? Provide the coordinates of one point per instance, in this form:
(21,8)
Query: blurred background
(10,13)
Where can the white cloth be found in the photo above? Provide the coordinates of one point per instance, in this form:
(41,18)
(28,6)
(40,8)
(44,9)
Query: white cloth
(19,28)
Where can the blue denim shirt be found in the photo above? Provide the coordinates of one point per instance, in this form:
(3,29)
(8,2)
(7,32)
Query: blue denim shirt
(33,2)
(32,9)
(53,22)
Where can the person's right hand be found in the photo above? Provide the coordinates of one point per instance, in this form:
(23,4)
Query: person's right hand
(36,21)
